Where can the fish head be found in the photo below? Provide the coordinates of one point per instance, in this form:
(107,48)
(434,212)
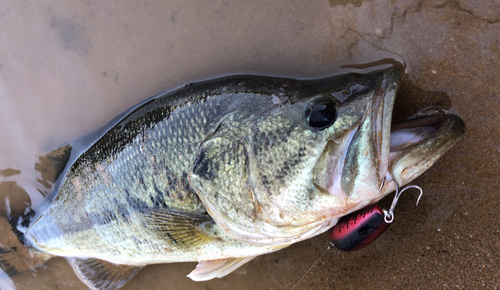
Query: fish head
(324,150)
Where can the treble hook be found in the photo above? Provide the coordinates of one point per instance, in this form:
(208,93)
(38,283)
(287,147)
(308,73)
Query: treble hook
(389,215)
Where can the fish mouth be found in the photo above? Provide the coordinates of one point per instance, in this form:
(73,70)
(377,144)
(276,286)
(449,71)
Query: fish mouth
(381,154)
(411,147)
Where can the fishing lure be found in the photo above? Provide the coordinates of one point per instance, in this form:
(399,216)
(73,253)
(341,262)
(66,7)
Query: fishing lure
(360,228)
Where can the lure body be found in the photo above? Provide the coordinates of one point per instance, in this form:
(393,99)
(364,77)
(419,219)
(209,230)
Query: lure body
(359,229)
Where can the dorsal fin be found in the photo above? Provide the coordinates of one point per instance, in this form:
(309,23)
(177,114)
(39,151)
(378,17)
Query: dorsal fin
(217,269)
(102,275)
(179,228)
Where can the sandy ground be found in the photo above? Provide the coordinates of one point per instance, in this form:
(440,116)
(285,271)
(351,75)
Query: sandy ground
(68,67)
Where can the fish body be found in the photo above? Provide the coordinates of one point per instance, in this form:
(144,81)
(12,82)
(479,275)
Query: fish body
(224,170)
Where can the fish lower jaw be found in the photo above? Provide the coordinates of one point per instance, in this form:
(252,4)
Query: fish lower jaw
(416,144)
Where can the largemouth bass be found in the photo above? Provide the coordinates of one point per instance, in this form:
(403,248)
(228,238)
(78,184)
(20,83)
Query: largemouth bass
(222,171)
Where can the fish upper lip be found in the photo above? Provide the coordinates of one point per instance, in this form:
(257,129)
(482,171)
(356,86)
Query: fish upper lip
(383,106)
(382,135)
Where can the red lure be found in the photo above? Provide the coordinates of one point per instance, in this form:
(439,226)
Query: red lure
(360,228)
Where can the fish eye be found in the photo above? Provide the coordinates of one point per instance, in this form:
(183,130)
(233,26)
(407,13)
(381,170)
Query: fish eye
(320,112)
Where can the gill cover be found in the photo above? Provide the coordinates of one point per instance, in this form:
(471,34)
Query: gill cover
(234,176)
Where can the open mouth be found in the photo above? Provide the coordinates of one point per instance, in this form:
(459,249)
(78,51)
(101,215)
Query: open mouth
(380,153)
(409,148)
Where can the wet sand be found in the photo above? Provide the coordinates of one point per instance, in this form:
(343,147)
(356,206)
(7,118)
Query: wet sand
(67,68)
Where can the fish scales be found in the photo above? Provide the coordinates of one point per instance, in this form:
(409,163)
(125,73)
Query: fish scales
(134,167)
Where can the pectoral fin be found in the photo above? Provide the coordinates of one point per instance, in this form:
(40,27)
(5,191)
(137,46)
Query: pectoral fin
(102,275)
(217,269)
(179,228)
